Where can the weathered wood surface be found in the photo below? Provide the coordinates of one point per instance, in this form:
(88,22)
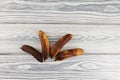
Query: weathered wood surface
(60,11)
(93,38)
(90,67)
(95,25)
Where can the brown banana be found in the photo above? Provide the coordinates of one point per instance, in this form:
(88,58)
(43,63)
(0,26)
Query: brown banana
(33,52)
(69,53)
(44,44)
(59,44)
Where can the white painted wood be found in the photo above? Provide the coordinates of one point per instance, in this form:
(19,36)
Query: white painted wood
(60,11)
(24,17)
(93,38)
(85,67)
(95,25)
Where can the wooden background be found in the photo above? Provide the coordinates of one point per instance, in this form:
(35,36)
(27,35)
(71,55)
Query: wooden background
(95,25)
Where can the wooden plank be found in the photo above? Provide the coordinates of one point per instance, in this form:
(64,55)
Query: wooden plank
(85,67)
(59,12)
(104,6)
(93,38)
(86,18)
(94,24)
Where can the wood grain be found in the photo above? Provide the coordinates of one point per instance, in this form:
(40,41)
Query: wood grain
(95,25)
(93,38)
(100,67)
(60,12)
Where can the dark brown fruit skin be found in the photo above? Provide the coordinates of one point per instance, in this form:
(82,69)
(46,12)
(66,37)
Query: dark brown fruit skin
(69,53)
(44,44)
(59,44)
(33,52)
